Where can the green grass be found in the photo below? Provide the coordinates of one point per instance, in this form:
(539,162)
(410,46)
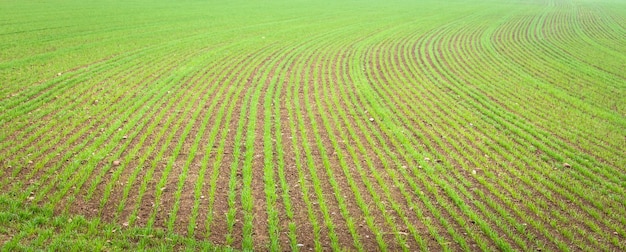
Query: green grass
(29,228)
(246,125)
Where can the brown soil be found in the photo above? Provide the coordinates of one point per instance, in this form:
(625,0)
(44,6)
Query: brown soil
(377,172)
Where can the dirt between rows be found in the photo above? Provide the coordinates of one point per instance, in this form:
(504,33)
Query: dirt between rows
(143,212)
(336,199)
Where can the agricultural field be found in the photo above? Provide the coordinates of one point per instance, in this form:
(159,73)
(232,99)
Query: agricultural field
(314,125)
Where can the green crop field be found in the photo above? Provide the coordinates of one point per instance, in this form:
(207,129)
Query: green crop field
(313,125)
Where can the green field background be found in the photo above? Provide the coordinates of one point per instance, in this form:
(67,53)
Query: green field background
(313,125)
